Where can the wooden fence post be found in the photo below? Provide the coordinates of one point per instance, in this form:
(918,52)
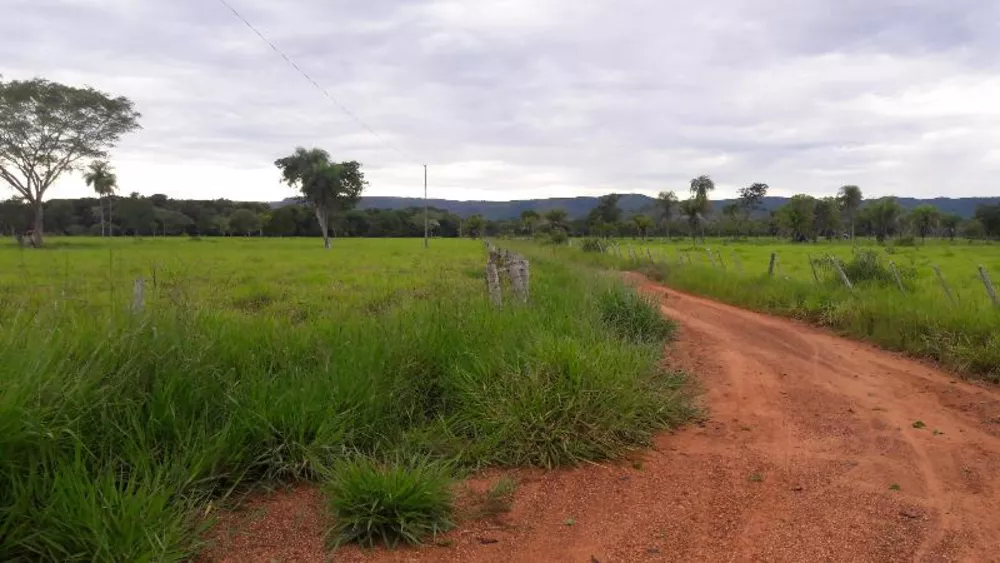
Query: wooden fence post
(813,266)
(944,284)
(989,285)
(649,254)
(895,274)
(770,266)
(493,280)
(711,258)
(718,254)
(843,275)
(138,297)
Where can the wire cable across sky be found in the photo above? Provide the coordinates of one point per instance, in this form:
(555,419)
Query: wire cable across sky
(322,90)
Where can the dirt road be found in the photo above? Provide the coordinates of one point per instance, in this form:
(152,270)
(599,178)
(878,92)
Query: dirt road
(812,451)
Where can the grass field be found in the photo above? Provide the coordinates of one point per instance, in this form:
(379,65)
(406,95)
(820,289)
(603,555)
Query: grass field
(921,319)
(377,367)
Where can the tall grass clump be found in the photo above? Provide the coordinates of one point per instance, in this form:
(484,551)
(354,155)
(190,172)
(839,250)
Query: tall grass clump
(633,316)
(116,430)
(388,503)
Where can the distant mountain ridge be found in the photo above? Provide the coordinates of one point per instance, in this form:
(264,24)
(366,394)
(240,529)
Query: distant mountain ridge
(578,207)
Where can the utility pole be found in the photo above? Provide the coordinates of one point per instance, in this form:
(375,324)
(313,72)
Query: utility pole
(426,243)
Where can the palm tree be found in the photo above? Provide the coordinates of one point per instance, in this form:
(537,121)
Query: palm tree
(850,201)
(101,177)
(701,187)
(558,219)
(666,202)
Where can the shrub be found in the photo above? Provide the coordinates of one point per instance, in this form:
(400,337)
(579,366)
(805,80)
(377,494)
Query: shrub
(591,245)
(558,236)
(634,317)
(908,240)
(391,503)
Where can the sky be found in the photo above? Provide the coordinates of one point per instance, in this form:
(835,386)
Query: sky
(520,99)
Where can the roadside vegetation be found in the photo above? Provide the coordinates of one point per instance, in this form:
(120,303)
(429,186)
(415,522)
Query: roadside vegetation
(378,368)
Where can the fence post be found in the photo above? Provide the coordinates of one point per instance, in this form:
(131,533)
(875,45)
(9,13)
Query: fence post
(989,285)
(813,266)
(843,276)
(718,254)
(944,284)
(138,297)
(649,254)
(895,274)
(519,277)
(770,266)
(711,258)
(493,280)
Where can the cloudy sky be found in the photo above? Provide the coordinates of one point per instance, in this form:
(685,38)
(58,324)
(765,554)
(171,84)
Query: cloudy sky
(512,99)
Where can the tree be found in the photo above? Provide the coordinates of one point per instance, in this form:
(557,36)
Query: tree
(666,202)
(137,213)
(701,187)
(973,229)
(244,221)
(750,198)
(950,223)
(474,226)
(924,219)
(327,187)
(101,177)
(691,210)
(850,202)
(884,215)
(642,224)
(798,217)
(529,220)
(826,218)
(558,219)
(989,217)
(606,211)
(47,128)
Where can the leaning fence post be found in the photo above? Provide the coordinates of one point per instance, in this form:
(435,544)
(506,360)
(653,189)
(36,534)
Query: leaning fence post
(895,274)
(722,263)
(711,258)
(649,254)
(813,266)
(138,297)
(770,266)
(843,275)
(944,284)
(989,285)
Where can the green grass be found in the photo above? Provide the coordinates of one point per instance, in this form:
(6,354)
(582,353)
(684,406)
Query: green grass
(921,319)
(262,361)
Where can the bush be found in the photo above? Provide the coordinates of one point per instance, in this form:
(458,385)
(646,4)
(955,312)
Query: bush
(908,240)
(634,317)
(558,236)
(591,245)
(388,504)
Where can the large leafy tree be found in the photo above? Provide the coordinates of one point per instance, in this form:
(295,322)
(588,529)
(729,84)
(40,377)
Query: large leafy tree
(666,204)
(328,187)
(244,221)
(925,219)
(529,220)
(850,198)
(826,218)
(884,214)
(989,217)
(798,217)
(557,219)
(47,129)
(750,198)
(100,176)
(475,226)
(950,223)
(642,224)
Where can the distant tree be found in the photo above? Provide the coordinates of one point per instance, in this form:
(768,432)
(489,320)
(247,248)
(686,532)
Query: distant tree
(475,226)
(666,203)
(14,217)
(172,222)
(606,212)
(327,187)
(691,210)
(642,225)
(925,219)
(950,223)
(702,187)
(558,219)
(972,230)
(798,217)
(137,214)
(47,128)
(529,221)
(989,217)
(244,221)
(102,178)
(750,198)
(850,198)
(222,224)
(826,218)
(263,218)
(884,214)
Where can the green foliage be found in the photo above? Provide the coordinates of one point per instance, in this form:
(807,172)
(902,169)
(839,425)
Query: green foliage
(327,186)
(634,317)
(558,236)
(374,503)
(260,361)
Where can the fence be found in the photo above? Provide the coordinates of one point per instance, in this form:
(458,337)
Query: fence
(502,264)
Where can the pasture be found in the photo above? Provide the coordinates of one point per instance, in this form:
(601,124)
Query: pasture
(378,367)
(961,331)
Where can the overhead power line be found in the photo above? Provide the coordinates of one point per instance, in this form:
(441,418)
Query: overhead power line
(322,90)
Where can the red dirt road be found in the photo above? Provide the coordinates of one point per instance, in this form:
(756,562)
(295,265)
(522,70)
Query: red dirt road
(809,453)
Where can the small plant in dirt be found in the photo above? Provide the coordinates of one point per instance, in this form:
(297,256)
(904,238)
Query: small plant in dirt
(374,503)
(756,478)
(633,317)
(500,497)
(919,424)
(894,487)
(569,522)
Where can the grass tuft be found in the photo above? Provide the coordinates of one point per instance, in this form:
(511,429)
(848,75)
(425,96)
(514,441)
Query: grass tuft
(634,317)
